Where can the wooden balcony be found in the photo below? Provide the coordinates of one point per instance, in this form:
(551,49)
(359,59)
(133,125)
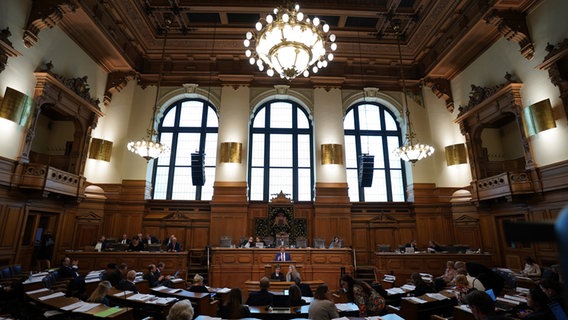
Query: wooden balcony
(507,184)
(49,179)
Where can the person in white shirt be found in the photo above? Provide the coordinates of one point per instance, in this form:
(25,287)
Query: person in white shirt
(532,269)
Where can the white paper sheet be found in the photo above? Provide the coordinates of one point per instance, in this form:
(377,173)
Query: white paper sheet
(51,296)
(86,307)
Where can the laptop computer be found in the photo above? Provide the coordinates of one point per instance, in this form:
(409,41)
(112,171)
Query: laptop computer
(498,304)
(259,245)
(175,274)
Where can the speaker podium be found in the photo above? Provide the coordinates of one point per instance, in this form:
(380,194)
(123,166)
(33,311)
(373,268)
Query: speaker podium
(197,169)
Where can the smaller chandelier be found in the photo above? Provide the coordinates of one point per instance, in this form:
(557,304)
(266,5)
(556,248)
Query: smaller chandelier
(411,151)
(150,147)
(290,44)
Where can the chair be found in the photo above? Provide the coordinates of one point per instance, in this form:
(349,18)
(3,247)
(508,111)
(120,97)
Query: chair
(226,242)
(319,243)
(384,248)
(268,242)
(301,242)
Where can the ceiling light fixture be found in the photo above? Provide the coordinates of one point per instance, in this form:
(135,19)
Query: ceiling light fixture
(289,43)
(412,150)
(150,147)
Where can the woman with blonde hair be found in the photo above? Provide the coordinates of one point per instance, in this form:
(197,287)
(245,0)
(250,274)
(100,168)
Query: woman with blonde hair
(292,274)
(197,285)
(462,288)
(100,293)
(181,310)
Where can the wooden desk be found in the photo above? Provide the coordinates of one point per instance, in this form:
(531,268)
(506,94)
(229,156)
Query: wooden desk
(252,285)
(138,261)
(232,267)
(410,309)
(141,308)
(59,302)
(204,304)
(402,265)
(260,312)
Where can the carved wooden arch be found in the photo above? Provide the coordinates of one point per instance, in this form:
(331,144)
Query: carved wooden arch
(45,14)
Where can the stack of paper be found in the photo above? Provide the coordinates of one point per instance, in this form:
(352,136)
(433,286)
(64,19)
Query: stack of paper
(86,307)
(437,296)
(51,296)
(141,297)
(408,287)
(37,291)
(415,299)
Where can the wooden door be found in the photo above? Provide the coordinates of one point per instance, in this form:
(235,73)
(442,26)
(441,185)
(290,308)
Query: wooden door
(37,223)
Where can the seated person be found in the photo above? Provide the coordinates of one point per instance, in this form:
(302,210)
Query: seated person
(292,274)
(68,268)
(112,274)
(412,244)
(259,240)
(322,307)
(99,295)
(296,296)
(421,286)
(197,285)
(335,243)
(173,246)
(135,245)
(481,305)
(150,239)
(234,308)
(100,245)
(125,240)
(128,283)
(155,278)
(277,275)
(181,310)
(262,297)
(304,288)
(282,255)
(433,246)
(537,301)
(247,243)
(532,269)
(462,288)
(369,301)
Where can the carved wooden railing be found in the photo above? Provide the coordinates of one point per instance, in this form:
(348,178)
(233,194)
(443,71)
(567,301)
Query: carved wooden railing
(49,179)
(506,185)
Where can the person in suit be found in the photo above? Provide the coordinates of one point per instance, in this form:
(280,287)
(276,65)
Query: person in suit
(174,246)
(125,240)
(100,245)
(262,297)
(152,276)
(150,239)
(233,308)
(335,243)
(247,243)
(197,285)
(112,274)
(412,244)
(421,287)
(281,242)
(296,296)
(277,275)
(68,268)
(282,255)
(322,307)
(128,283)
(135,245)
(45,252)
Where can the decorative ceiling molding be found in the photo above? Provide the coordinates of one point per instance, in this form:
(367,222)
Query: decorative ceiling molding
(6,48)
(45,14)
(442,89)
(513,26)
(116,81)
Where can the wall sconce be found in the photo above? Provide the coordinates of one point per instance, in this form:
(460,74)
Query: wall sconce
(13,105)
(100,149)
(231,152)
(331,153)
(538,117)
(456,154)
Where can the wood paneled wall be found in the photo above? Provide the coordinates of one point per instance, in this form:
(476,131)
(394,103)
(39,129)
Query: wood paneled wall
(114,209)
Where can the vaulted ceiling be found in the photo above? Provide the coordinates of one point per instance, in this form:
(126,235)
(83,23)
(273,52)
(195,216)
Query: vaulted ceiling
(205,44)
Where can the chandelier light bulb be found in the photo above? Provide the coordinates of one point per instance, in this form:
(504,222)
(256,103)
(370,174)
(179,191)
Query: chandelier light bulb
(249,35)
(333,46)
(285,18)
(325,27)
(306,73)
(248,53)
(297,7)
(252,60)
(316,21)
(330,56)
(258,26)
(332,37)
(315,69)
(300,16)
(270,72)
(246,42)
(269,18)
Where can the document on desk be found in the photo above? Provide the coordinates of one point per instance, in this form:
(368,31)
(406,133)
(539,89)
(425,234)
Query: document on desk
(346,306)
(396,290)
(86,307)
(408,287)
(172,291)
(51,296)
(464,307)
(516,298)
(73,306)
(161,301)
(208,318)
(509,301)
(160,288)
(341,318)
(141,297)
(223,290)
(123,293)
(415,299)
(437,296)
(37,291)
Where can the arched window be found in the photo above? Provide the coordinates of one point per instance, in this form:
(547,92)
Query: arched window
(281,152)
(188,126)
(371,128)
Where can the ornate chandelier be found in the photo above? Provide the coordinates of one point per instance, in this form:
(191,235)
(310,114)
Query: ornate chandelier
(289,43)
(411,150)
(150,147)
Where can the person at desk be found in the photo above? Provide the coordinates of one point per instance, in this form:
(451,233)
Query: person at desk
(68,268)
(155,278)
(335,243)
(537,301)
(482,306)
(292,274)
(181,310)
(247,243)
(369,301)
(411,244)
(281,241)
(112,274)
(433,246)
(532,269)
(259,240)
(100,293)
(100,245)
(277,275)
(282,255)
(173,246)
(296,296)
(553,290)
(322,307)
(197,285)
(150,239)
(420,286)
(304,288)
(135,245)
(234,308)
(262,297)
(128,283)
(125,240)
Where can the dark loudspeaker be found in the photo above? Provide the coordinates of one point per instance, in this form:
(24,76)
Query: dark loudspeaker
(366,166)
(197,170)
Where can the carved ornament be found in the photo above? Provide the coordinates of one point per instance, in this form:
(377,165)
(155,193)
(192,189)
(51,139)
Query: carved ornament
(513,26)
(478,94)
(442,89)
(6,48)
(45,14)
(116,81)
